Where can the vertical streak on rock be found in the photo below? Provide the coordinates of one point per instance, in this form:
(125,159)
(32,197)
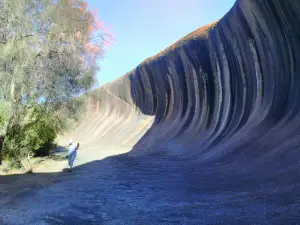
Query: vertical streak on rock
(231,87)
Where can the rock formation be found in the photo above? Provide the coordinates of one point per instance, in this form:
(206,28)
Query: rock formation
(228,91)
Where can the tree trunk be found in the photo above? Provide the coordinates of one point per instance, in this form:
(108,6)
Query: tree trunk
(1,145)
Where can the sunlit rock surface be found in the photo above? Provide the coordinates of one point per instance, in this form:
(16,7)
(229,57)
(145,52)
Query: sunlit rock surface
(229,90)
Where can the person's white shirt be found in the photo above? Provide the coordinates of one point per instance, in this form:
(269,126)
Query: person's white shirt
(72,147)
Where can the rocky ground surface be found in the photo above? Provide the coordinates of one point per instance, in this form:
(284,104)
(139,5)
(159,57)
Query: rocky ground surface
(156,189)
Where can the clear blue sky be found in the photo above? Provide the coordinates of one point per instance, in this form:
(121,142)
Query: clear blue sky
(142,28)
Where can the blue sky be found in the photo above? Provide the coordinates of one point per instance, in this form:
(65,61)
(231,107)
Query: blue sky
(142,28)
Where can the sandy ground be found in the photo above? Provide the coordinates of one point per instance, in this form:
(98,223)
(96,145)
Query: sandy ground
(47,170)
(117,189)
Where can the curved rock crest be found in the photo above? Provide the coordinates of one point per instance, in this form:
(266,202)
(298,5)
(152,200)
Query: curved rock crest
(229,88)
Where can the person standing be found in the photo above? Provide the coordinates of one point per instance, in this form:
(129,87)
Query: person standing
(73,147)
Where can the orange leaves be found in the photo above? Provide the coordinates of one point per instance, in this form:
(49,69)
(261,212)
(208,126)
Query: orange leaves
(78,36)
(83,6)
(92,36)
(92,48)
(95,23)
(95,13)
(98,25)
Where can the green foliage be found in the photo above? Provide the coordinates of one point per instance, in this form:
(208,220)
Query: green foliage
(4,110)
(48,57)
(25,139)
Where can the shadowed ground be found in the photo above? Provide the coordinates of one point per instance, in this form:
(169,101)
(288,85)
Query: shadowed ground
(155,190)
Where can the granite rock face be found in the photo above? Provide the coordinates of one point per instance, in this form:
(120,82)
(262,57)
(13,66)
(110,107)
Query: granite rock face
(230,89)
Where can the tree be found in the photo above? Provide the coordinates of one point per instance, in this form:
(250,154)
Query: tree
(49,51)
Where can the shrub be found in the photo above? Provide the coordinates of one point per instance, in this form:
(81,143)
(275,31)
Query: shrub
(29,139)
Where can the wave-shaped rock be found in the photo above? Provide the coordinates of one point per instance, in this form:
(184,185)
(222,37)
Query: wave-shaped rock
(229,88)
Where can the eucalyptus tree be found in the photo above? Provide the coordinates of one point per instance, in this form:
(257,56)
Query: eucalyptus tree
(49,51)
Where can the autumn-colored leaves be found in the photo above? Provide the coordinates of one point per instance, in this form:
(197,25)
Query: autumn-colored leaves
(98,35)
